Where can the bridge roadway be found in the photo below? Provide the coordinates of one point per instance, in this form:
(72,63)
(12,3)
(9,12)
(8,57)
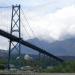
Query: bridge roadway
(20,40)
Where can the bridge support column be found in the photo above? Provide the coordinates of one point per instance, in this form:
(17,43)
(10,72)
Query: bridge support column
(15,30)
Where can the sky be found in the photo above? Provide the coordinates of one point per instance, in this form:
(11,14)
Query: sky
(47,18)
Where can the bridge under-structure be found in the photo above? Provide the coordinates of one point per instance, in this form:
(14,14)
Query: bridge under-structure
(25,43)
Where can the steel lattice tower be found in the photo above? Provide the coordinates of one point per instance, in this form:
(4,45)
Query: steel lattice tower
(15,30)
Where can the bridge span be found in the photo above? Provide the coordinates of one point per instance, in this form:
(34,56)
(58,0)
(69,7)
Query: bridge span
(25,43)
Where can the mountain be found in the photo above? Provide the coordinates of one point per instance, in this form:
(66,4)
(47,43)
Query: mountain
(59,48)
(3,54)
(37,42)
(64,48)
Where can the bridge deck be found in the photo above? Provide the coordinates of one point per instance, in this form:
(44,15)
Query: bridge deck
(16,39)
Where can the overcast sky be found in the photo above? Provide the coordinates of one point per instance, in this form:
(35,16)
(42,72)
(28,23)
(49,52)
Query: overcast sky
(47,18)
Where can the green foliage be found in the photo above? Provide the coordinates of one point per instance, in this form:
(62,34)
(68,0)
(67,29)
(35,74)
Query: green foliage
(64,68)
(2,64)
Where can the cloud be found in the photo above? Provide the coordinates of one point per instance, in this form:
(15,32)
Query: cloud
(55,24)
(44,7)
(54,20)
(4,43)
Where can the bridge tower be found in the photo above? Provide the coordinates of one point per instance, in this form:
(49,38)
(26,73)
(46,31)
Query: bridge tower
(15,30)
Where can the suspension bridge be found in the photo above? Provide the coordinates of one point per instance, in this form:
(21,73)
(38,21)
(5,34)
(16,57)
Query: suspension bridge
(15,28)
